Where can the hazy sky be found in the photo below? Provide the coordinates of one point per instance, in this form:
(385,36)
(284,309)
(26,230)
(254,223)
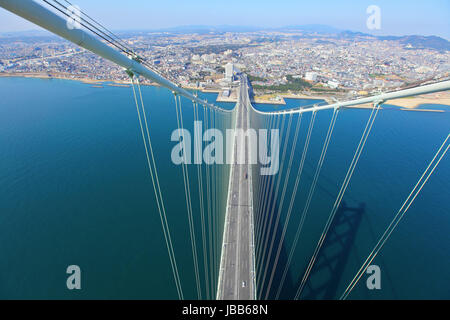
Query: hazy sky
(398,17)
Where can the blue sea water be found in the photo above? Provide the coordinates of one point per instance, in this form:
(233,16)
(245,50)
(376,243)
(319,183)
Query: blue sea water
(415,260)
(75,189)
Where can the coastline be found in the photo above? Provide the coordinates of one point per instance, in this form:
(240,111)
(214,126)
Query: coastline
(266,99)
(404,104)
(62,76)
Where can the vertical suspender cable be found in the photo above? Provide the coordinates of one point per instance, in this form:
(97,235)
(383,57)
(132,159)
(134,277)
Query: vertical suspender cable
(360,148)
(316,175)
(269,121)
(263,222)
(261,182)
(187,193)
(208,202)
(280,204)
(283,194)
(400,214)
(293,197)
(266,202)
(202,210)
(157,189)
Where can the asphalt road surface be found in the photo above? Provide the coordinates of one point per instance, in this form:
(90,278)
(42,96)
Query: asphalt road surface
(237,267)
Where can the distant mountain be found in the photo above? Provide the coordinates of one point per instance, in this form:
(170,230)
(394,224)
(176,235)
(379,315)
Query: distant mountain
(413,41)
(312,28)
(202,29)
(27,34)
(421,42)
(31,36)
(354,34)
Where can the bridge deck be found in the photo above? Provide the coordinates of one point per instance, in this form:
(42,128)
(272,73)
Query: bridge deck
(236,280)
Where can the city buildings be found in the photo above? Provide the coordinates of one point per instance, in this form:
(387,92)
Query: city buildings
(328,62)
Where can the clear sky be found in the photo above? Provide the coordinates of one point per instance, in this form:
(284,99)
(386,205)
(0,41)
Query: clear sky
(398,17)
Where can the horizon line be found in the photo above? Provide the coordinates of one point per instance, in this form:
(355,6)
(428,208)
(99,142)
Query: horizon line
(337,30)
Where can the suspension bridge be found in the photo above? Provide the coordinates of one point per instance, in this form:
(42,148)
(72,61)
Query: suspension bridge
(242,239)
(237,270)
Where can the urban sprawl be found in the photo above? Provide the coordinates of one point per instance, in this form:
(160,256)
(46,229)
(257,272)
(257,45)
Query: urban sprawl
(276,62)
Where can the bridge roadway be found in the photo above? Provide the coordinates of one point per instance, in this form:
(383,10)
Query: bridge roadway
(236,276)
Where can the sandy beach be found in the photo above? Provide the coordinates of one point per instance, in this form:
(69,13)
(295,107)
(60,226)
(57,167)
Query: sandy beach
(51,75)
(412,103)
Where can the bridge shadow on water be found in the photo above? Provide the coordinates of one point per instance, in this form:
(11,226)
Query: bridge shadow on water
(326,274)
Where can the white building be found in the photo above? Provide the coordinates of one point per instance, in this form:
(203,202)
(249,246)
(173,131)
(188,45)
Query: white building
(333,84)
(229,72)
(311,76)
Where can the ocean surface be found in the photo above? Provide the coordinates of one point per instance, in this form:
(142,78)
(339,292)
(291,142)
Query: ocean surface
(75,190)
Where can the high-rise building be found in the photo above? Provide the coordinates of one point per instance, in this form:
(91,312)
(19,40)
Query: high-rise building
(229,72)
